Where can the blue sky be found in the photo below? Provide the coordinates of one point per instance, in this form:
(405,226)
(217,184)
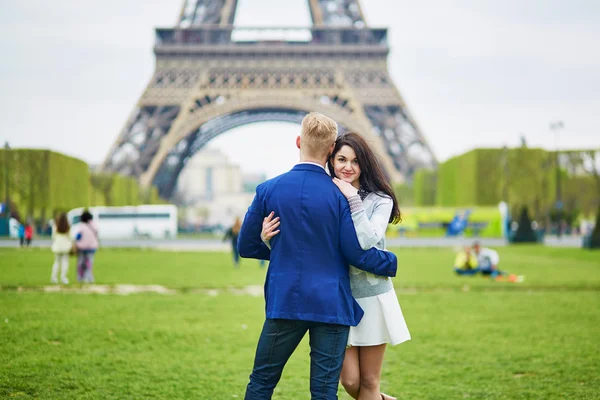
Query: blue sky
(473,73)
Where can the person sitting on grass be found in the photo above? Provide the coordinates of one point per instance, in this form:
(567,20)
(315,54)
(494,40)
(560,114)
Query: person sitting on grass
(466,263)
(21,235)
(488,260)
(232,234)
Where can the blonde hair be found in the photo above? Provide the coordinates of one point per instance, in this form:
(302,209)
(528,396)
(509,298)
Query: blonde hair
(317,135)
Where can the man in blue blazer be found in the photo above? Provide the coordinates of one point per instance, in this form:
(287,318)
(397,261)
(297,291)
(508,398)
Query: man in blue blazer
(307,287)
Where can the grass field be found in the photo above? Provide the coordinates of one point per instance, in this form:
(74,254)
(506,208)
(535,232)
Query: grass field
(422,268)
(536,340)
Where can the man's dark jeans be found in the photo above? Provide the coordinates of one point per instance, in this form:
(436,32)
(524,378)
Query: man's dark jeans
(277,342)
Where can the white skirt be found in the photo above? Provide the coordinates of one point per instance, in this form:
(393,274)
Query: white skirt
(383,322)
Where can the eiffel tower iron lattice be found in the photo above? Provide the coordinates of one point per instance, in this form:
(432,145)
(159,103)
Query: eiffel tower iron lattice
(212,76)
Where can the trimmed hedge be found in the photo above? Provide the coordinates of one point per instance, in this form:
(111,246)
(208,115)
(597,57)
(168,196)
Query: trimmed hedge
(425,182)
(532,180)
(117,190)
(405,194)
(457,181)
(69,181)
(479,177)
(43,182)
(578,194)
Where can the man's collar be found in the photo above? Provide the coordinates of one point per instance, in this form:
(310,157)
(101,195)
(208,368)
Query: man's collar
(312,163)
(310,166)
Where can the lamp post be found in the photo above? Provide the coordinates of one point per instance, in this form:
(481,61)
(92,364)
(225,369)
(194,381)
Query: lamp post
(555,127)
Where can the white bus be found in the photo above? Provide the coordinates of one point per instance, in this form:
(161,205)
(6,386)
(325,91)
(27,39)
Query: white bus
(128,222)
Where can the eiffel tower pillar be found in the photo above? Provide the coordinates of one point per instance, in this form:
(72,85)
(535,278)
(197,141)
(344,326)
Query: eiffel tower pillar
(211,77)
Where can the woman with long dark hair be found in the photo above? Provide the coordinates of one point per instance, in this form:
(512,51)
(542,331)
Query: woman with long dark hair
(373,205)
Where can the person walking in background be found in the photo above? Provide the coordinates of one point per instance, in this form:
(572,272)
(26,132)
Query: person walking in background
(21,235)
(61,245)
(28,233)
(87,244)
(232,234)
(488,259)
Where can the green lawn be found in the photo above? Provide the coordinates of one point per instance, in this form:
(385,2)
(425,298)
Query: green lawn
(424,268)
(537,340)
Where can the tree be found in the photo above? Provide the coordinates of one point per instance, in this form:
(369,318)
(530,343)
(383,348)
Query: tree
(593,242)
(524,234)
(582,167)
(104,184)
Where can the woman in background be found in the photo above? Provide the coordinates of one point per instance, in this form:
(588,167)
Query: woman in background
(61,245)
(87,244)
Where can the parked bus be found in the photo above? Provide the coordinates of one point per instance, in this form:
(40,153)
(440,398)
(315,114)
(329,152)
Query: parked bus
(148,221)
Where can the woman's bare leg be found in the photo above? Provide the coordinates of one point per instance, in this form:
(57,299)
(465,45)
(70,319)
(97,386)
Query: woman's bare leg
(370,360)
(350,376)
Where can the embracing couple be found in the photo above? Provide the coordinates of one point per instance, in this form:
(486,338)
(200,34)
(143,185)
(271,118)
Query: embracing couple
(324,235)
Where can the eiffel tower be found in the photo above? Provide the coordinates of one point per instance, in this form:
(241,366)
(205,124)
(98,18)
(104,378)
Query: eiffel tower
(212,76)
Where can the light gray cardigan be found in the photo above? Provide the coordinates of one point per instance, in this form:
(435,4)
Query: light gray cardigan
(371,217)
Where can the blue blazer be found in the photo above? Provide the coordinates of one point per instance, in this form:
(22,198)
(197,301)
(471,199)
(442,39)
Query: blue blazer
(308,277)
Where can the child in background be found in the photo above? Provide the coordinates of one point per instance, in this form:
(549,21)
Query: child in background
(28,234)
(61,245)
(21,235)
(87,244)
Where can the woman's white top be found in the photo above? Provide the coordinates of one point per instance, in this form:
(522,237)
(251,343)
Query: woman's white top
(61,242)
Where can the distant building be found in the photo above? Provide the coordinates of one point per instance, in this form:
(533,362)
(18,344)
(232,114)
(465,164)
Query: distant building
(214,190)
(207,175)
(252,180)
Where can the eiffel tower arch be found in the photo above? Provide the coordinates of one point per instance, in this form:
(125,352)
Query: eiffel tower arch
(212,76)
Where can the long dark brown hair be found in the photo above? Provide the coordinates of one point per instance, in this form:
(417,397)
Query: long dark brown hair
(62,223)
(372,178)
